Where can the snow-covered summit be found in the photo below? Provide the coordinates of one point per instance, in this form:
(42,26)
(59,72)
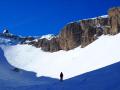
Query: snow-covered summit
(103,16)
(48,37)
(5,31)
(7,38)
(98,17)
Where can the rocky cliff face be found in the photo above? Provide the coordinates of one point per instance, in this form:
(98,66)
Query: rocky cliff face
(82,33)
(70,36)
(92,29)
(114,20)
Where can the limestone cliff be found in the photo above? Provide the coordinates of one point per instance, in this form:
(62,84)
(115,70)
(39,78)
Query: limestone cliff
(82,33)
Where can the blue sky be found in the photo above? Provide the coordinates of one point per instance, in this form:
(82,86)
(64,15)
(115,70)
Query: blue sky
(39,17)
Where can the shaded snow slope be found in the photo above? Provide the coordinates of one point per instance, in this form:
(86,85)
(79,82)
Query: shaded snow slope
(10,78)
(107,78)
(102,52)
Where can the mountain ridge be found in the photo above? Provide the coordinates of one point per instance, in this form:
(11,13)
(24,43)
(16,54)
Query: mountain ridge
(79,33)
(82,33)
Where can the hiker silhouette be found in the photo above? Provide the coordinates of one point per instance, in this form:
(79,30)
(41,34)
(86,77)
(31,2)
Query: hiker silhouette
(61,76)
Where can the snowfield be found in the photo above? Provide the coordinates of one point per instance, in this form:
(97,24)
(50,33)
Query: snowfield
(102,52)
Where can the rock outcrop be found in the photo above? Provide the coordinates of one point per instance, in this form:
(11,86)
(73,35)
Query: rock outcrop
(70,36)
(82,33)
(114,20)
(92,29)
(47,45)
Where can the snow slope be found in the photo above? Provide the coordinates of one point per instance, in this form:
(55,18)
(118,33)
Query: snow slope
(107,78)
(104,51)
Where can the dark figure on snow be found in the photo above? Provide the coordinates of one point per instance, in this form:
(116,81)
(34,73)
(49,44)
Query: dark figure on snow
(61,76)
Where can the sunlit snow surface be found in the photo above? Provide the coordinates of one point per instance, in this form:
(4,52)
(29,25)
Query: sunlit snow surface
(104,51)
(48,37)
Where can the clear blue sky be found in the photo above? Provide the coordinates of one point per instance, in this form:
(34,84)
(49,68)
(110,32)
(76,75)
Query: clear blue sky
(39,17)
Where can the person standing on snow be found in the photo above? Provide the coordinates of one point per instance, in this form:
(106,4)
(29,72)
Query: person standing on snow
(61,76)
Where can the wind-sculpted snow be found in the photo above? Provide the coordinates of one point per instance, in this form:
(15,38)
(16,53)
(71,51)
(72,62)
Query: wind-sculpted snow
(104,51)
